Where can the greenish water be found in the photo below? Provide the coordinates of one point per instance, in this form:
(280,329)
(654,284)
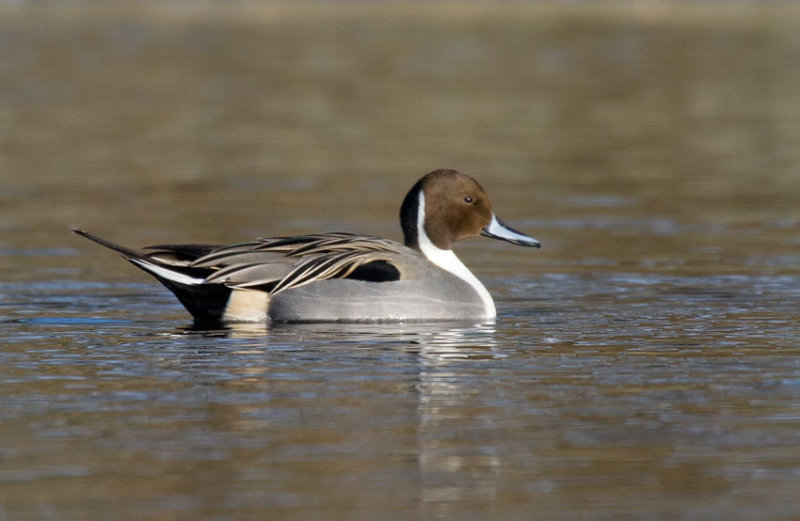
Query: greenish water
(644,365)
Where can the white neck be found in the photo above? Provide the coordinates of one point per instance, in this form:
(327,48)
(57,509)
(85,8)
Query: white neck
(448,261)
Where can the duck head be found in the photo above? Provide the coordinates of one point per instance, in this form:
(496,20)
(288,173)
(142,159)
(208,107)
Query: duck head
(446,206)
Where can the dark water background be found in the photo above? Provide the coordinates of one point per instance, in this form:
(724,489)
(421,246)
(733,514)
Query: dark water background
(645,363)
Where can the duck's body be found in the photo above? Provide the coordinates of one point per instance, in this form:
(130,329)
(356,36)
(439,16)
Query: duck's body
(341,276)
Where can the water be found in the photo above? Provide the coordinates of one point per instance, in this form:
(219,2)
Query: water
(644,364)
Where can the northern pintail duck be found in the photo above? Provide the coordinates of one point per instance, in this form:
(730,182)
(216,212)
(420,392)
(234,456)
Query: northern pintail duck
(342,276)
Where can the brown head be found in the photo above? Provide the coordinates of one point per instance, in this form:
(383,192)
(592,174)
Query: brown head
(449,206)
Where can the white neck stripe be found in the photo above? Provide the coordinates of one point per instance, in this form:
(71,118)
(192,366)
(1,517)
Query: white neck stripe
(448,261)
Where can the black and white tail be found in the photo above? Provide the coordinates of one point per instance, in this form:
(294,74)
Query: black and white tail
(207,302)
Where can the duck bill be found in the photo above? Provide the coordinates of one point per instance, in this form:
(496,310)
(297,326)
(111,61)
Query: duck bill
(497,229)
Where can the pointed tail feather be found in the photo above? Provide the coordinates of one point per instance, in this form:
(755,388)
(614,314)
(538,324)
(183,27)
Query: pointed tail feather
(140,259)
(206,302)
(123,250)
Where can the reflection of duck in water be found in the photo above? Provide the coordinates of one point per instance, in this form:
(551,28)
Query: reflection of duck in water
(342,276)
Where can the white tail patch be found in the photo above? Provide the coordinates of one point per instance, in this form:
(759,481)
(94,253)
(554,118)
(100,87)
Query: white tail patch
(166,273)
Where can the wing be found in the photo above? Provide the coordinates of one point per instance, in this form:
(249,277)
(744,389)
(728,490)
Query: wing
(278,264)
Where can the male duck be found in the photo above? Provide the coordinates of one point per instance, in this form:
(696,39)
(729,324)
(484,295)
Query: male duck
(342,276)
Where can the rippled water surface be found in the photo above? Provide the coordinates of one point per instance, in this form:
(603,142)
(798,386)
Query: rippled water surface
(645,363)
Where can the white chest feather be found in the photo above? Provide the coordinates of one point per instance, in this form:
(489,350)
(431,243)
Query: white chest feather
(448,261)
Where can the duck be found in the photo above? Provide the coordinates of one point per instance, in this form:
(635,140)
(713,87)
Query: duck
(341,276)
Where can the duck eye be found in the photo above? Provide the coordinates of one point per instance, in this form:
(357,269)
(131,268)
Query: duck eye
(468,199)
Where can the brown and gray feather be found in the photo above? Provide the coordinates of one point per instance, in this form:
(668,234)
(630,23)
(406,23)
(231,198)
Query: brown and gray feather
(282,263)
